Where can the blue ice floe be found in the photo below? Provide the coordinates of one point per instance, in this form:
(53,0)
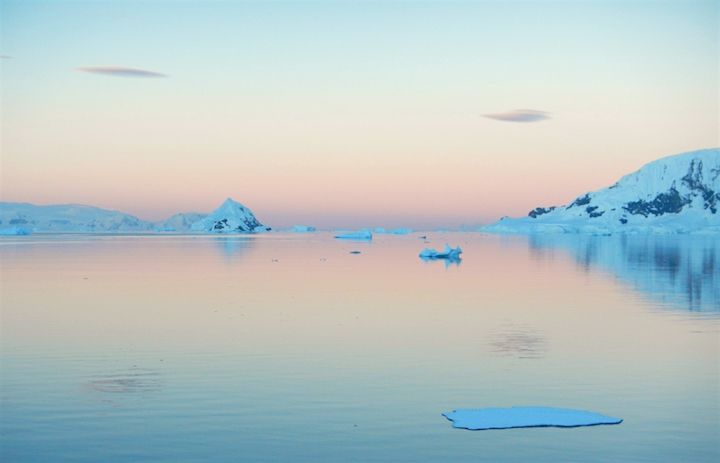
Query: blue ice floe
(448,253)
(355,235)
(525,417)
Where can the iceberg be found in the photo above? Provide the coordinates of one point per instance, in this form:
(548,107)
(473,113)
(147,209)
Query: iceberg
(303,229)
(14,231)
(525,417)
(448,253)
(355,235)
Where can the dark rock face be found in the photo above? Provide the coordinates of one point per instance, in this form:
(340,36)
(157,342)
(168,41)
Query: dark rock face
(694,181)
(665,203)
(540,211)
(223,225)
(591,212)
(581,201)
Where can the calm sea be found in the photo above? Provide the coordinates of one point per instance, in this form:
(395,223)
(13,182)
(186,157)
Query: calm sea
(289,348)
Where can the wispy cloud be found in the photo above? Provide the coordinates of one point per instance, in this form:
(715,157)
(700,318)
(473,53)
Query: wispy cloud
(520,115)
(119,71)
(5,57)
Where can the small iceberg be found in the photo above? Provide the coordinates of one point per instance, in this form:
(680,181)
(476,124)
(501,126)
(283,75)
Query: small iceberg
(303,229)
(525,417)
(448,253)
(355,235)
(401,231)
(14,231)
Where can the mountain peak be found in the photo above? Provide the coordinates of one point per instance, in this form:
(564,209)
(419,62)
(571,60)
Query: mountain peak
(230,217)
(679,193)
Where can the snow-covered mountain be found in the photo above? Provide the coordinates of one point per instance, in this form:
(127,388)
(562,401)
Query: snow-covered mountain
(180,222)
(68,218)
(676,194)
(230,217)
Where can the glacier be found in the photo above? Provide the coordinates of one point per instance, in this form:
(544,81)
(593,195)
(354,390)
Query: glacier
(675,194)
(230,217)
(525,417)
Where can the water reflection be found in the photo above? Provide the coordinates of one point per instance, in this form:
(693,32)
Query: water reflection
(233,247)
(132,381)
(518,341)
(678,271)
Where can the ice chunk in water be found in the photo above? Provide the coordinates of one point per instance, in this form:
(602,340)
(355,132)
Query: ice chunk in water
(448,253)
(355,235)
(525,417)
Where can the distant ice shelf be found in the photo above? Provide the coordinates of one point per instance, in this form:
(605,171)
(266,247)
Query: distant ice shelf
(525,417)
(355,235)
(303,229)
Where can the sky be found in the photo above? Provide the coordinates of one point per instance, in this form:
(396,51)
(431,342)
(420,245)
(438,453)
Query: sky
(348,114)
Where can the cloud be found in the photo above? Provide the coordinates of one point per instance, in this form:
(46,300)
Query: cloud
(520,115)
(5,57)
(119,71)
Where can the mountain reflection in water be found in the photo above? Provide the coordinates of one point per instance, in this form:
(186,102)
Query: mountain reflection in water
(677,271)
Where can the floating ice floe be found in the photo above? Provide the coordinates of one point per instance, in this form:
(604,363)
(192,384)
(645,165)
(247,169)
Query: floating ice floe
(355,235)
(448,253)
(525,417)
(303,229)
(14,231)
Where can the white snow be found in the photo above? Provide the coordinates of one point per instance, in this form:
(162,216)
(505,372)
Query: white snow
(676,194)
(230,217)
(447,253)
(355,235)
(525,417)
(180,222)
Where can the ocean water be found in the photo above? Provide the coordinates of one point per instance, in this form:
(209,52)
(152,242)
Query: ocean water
(288,348)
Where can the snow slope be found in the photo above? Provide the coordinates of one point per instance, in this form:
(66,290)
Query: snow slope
(676,194)
(68,218)
(230,217)
(180,222)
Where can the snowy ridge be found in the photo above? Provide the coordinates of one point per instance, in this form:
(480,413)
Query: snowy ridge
(230,217)
(68,218)
(180,222)
(676,194)
(25,218)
